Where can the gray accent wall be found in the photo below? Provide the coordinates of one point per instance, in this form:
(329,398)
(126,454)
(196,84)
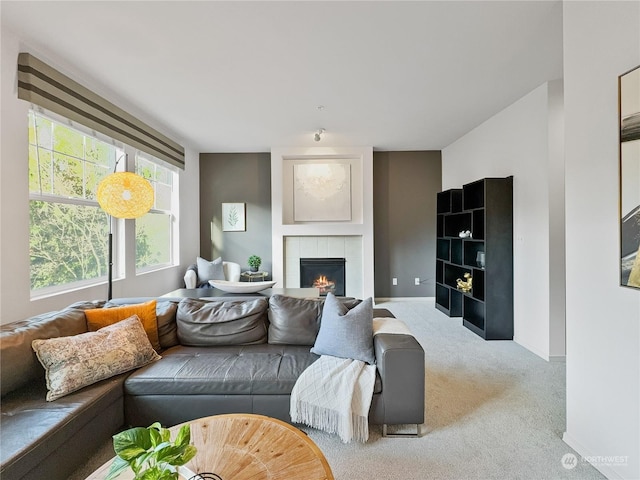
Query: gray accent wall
(405,185)
(243,178)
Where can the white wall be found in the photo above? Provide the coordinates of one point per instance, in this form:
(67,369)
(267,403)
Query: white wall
(517,141)
(601,41)
(15,302)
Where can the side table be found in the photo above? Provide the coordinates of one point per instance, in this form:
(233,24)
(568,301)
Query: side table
(254,276)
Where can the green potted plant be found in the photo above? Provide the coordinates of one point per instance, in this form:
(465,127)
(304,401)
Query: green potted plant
(254,262)
(150,453)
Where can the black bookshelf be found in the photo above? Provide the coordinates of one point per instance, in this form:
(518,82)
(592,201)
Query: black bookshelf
(485,208)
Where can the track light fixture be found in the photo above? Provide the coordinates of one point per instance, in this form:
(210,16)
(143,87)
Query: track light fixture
(318,135)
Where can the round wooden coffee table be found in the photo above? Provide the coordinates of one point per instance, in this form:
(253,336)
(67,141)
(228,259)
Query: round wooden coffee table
(250,447)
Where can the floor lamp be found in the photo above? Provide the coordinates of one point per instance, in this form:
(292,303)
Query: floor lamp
(123,195)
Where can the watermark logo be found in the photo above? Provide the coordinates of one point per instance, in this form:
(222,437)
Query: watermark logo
(569,461)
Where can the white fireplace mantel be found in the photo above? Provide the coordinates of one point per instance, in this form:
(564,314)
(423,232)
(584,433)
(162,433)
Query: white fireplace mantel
(283,225)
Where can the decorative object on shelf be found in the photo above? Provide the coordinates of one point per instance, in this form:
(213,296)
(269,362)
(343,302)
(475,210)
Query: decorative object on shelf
(629,108)
(150,453)
(241,287)
(254,262)
(465,285)
(465,234)
(480,259)
(233,217)
(123,195)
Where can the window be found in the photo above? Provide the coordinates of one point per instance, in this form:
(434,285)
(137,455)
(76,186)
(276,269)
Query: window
(68,239)
(155,230)
(68,229)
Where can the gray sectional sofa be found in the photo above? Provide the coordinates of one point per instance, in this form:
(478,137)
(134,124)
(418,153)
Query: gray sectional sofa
(209,366)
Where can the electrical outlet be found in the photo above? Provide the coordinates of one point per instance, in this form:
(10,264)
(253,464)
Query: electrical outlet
(394,281)
(417,281)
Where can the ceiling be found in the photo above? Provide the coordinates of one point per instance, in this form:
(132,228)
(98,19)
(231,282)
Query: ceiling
(248,76)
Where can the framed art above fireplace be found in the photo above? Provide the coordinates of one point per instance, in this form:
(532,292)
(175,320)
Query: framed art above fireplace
(322,191)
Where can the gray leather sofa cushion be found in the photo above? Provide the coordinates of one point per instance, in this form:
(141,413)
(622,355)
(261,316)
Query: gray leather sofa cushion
(36,432)
(19,364)
(202,323)
(253,369)
(242,370)
(296,321)
(167,328)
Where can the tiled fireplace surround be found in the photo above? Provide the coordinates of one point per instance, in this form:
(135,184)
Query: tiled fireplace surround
(347,247)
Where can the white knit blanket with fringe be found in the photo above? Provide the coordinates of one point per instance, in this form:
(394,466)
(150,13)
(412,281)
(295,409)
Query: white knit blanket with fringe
(334,394)
(390,325)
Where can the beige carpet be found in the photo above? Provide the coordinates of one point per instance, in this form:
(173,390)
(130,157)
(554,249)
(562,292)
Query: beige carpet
(493,411)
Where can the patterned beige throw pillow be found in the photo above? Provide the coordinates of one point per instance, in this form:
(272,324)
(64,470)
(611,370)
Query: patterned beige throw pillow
(72,363)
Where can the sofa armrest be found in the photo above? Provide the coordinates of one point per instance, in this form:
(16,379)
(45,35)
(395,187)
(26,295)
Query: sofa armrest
(400,362)
(190,279)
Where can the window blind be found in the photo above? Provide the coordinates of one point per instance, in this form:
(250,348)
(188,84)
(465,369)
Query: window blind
(45,86)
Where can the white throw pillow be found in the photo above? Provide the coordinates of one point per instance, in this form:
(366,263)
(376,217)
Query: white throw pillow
(210,270)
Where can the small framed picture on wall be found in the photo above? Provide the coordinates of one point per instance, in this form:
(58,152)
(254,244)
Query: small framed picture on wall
(233,217)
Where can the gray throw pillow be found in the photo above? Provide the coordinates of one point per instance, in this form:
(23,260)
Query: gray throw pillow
(346,333)
(296,321)
(209,270)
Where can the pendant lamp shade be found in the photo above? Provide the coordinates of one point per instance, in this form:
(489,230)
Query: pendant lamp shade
(125,195)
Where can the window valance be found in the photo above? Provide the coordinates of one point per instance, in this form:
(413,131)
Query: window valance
(45,86)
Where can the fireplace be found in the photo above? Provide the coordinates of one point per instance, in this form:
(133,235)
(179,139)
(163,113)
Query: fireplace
(325,274)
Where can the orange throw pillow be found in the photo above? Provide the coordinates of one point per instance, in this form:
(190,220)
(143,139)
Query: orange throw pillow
(146,312)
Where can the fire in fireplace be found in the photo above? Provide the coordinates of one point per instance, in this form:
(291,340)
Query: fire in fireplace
(325,274)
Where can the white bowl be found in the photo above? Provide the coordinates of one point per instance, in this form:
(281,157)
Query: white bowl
(240,287)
